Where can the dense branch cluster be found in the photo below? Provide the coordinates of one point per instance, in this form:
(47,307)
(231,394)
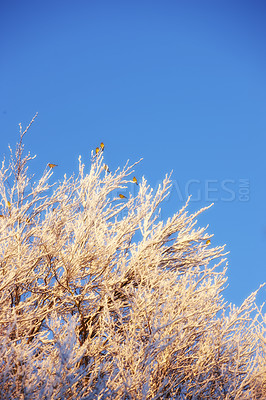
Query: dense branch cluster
(100,299)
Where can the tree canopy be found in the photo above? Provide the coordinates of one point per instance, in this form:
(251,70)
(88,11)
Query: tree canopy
(100,299)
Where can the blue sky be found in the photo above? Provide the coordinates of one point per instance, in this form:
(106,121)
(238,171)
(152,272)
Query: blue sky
(180,83)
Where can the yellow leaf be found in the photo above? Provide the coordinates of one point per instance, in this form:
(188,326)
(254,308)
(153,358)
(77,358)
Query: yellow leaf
(208,241)
(106,168)
(102,146)
(122,196)
(97,150)
(8,204)
(52,165)
(135,180)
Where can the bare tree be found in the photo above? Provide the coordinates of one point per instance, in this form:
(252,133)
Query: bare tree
(100,299)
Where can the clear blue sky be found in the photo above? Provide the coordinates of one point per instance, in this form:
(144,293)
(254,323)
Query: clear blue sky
(180,83)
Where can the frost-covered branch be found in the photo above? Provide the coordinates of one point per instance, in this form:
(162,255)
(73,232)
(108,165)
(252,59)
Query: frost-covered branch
(100,299)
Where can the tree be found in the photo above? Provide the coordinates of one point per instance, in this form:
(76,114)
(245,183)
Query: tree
(100,299)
